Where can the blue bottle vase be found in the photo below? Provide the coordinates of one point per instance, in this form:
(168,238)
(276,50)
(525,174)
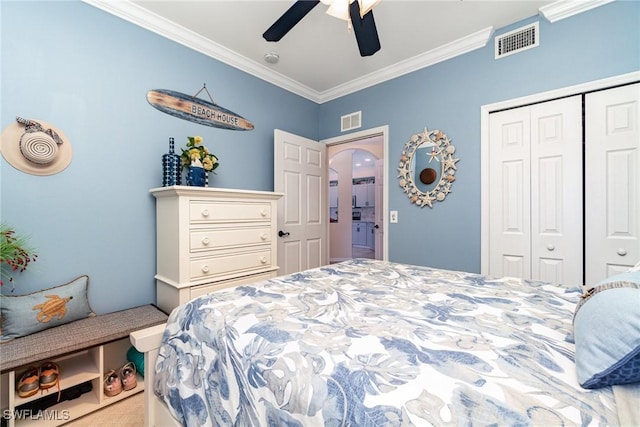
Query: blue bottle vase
(171,167)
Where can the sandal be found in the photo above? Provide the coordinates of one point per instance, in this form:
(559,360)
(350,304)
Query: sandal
(29,382)
(128,376)
(112,384)
(49,375)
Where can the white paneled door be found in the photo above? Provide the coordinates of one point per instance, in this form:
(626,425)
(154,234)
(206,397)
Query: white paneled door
(300,172)
(535,178)
(556,191)
(510,193)
(612,196)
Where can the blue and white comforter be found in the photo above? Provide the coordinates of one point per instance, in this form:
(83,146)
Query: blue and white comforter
(371,343)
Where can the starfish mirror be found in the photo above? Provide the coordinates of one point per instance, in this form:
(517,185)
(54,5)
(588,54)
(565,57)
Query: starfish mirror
(427,167)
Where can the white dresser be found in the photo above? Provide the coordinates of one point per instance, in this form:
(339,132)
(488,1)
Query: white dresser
(212,238)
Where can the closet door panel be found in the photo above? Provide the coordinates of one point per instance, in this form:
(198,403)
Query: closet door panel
(612,159)
(556,191)
(509,194)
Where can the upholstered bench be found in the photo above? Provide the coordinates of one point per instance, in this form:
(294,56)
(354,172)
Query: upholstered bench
(78,335)
(84,349)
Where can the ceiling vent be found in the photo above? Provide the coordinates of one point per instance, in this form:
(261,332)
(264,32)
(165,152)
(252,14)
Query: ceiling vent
(517,40)
(351,121)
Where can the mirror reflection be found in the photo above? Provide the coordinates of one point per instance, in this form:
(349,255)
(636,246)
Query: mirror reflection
(426,167)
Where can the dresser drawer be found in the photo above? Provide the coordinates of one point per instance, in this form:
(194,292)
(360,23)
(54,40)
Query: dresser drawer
(228,237)
(203,268)
(228,211)
(197,291)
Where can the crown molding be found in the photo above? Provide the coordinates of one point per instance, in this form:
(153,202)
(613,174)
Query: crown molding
(466,44)
(150,21)
(562,9)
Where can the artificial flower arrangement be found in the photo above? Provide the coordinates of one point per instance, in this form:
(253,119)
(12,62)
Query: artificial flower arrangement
(198,155)
(14,252)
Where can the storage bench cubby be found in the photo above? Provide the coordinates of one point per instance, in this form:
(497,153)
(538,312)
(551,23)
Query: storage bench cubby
(84,350)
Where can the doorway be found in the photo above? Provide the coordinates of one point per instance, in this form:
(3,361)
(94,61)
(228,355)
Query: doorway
(357,195)
(352,203)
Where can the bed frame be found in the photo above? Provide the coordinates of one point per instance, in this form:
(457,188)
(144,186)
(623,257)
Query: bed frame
(147,341)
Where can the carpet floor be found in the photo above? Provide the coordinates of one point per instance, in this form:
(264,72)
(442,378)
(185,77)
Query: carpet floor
(128,412)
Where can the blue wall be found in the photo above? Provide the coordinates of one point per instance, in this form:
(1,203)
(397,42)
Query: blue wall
(88,72)
(596,44)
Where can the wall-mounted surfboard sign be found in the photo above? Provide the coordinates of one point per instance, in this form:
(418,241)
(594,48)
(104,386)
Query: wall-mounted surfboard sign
(193,109)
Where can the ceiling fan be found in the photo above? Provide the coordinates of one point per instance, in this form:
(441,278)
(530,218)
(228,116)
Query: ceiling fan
(358,13)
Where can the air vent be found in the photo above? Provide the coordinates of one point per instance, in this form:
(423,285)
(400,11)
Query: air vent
(517,40)
(351,121)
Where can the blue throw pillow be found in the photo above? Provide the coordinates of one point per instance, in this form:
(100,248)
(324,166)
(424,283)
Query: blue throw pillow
(607,334)
(25,314)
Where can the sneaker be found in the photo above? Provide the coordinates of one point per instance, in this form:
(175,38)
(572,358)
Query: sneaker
(128,376)
(29,382)
(112,384)
(49,375)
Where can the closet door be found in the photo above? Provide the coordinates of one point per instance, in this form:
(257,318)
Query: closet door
(535,178)
(556,191)
(612,159)
(510,193)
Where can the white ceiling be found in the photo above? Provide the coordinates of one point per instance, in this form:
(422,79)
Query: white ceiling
(319,58)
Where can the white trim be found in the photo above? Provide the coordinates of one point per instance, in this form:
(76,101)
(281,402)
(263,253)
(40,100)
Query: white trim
(142,17)
(562,9)
(485,110)
(384,131)
(461,46)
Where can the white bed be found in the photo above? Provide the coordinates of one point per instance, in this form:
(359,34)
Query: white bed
(367,342)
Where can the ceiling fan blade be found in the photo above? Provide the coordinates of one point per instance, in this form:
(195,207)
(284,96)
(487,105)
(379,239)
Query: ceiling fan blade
(289,19)
(365,30)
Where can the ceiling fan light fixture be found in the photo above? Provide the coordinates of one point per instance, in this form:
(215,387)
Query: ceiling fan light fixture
(339,9)
(366,6)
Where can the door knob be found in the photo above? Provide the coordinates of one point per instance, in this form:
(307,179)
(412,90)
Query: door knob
(282,233)
(376,226)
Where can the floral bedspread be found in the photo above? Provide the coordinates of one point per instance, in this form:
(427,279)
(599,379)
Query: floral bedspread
(372,343)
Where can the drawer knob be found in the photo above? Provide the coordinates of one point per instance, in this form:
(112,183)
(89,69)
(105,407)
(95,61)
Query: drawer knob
(205,213)
(263,260)
(263,212)
(550,247)
(205,269)
(622,252)
(263,236)
(205,241)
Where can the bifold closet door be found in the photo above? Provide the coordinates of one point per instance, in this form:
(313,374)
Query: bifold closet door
(510,193)
(535,178)
(612,199)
